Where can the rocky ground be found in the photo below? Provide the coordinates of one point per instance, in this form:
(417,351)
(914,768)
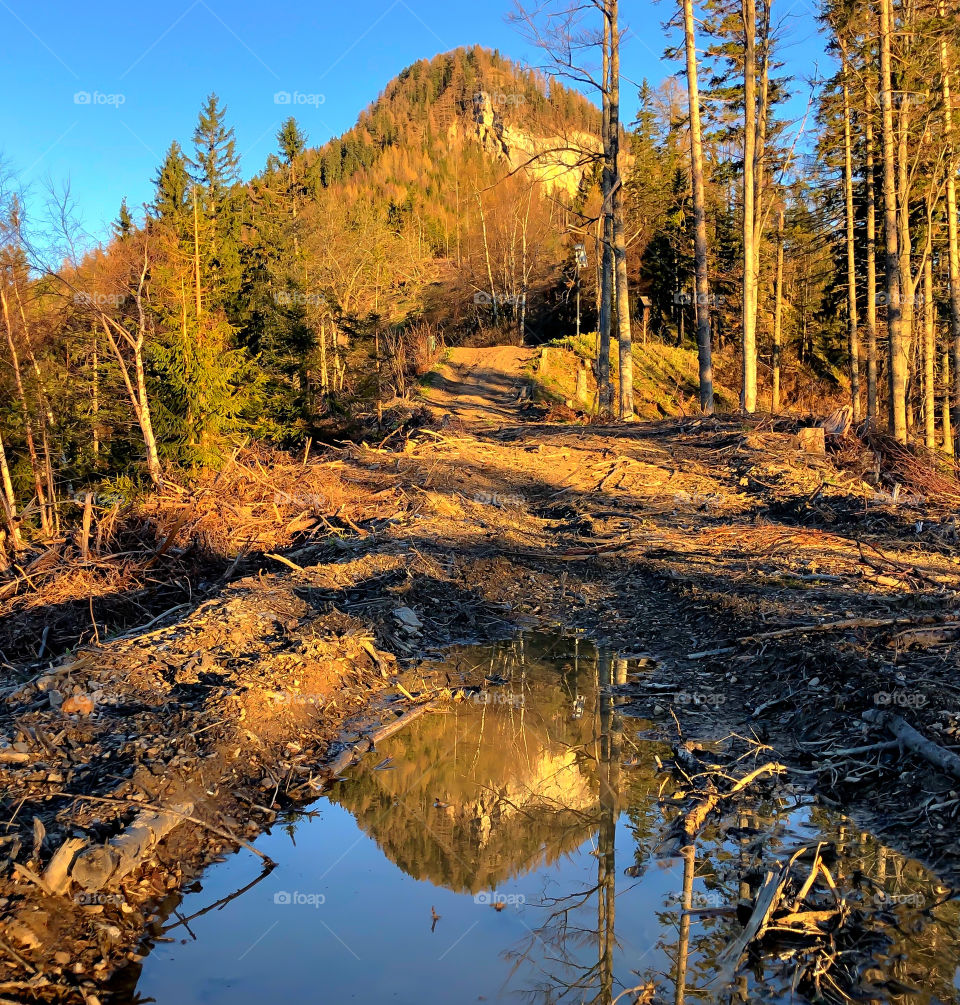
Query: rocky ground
(808,600)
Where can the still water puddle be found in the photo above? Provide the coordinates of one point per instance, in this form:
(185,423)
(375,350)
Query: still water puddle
(503,848)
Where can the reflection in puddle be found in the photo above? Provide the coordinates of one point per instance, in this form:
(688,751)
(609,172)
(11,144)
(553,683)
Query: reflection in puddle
(503,847)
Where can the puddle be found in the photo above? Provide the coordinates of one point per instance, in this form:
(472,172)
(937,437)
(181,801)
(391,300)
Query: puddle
(503,849)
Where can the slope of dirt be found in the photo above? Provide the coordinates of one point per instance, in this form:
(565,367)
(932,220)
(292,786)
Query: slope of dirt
(780,594)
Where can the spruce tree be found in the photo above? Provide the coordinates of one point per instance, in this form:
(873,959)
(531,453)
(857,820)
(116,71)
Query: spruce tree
(124,222)
(215,165)
(172,187)
(292,141)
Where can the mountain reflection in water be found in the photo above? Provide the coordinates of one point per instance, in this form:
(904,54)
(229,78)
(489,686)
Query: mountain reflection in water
(538,794)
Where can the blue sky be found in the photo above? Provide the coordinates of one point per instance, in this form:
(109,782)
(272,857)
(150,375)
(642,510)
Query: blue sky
(145,69)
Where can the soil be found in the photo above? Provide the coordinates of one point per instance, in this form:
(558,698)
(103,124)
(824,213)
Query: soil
(780,595)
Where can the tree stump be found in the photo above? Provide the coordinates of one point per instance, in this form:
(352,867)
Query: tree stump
(811,440)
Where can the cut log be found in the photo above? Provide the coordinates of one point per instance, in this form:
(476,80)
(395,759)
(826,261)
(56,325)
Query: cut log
(811,440)
(914,740)
(103,864)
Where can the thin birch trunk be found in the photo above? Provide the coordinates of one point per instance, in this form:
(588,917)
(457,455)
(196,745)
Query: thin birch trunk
(9,501)
(95,398)
(946,389)
(909,283)
(929,350)
(604,387)
(486,255)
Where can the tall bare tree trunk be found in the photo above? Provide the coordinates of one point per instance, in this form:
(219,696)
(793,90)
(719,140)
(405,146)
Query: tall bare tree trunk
(146,420)
(759,158)
(624,333)
(324,377)
(486,255)
(47,420)
(909,283)
(604,388)
(196,259)
(953,256)
(704,336)
(871,210)
(946,388)
(95,400)
(777,318)
(35,468)
(136,385)
(898,360)
(9,501)
(748,392)
(853,336)
(929,349)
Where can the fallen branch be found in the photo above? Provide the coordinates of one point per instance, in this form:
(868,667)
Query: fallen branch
(836,626)
(694,818)
(913,740)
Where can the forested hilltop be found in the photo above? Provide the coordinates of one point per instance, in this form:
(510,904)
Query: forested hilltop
(284,307)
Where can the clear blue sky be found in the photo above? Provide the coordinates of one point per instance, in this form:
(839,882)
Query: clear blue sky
(147,68)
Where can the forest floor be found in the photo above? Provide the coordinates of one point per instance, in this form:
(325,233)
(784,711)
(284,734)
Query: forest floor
(807,600)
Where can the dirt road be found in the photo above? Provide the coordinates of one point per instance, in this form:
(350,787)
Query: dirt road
(784,596)
(480,386)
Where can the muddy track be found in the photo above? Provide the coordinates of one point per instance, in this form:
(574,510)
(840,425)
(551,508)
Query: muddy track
(779,594)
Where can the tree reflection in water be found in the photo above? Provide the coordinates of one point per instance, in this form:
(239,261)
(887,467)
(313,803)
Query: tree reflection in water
(506,785)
